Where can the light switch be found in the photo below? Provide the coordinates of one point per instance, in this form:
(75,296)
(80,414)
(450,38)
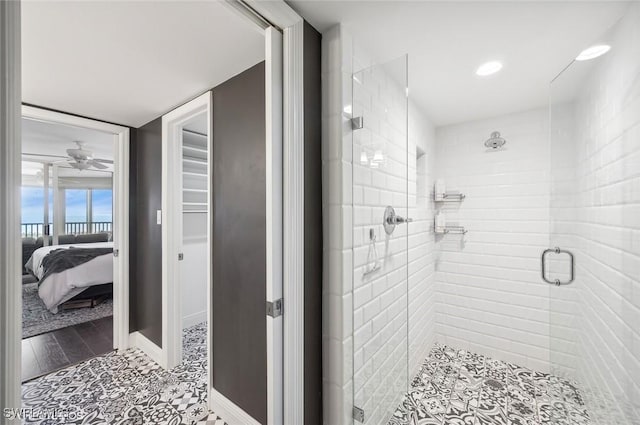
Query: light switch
(159,217)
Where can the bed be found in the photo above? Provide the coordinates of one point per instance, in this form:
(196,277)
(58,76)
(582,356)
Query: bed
(86,269)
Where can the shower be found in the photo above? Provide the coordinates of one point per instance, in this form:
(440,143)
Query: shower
(495,141)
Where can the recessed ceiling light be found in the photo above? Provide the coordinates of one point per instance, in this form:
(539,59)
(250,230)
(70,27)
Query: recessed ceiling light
(593,52)
(488,68)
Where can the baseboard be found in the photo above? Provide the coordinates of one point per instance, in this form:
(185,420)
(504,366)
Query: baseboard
(137,340)
(194,319)
(229,411)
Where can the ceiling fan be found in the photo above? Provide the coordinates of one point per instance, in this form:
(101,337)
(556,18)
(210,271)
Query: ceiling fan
(78,158)
(83,159)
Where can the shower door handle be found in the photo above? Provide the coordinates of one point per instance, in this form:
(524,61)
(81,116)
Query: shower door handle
(557,250)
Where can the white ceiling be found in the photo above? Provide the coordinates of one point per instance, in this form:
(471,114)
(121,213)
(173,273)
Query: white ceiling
(130,62)
(46,138)
(447,41)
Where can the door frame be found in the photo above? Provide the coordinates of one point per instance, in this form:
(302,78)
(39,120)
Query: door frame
(288,396)
(172,124)
(282,16)
(172,232)
(120,226)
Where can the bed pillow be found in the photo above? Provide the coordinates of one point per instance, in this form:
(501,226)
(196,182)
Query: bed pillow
(92,237)
(67,239)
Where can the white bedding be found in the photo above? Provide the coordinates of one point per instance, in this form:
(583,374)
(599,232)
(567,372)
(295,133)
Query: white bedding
(60,287)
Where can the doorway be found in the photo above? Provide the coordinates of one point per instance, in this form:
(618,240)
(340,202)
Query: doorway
(186,165)
(239,204)
(74,237)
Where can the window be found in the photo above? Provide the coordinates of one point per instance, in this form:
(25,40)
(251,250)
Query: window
(88,210)
(102,209)
(32,207)
(75,211)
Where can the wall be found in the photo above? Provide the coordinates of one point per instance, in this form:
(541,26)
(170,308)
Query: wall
(422,250)
(313,227)
(145,237)
(490,296)
(606,225)
(337,351)
(381,320)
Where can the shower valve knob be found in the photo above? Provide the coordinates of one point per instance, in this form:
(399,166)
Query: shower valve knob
(391,219)
(404,220)
(396,219)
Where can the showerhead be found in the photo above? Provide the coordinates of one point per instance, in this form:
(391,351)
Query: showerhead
(495,141)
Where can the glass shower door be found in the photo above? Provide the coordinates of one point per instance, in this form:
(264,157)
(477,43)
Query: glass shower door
(594,273)
(380,240)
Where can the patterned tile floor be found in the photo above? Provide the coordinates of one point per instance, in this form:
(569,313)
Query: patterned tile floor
(127,388)
(458,387)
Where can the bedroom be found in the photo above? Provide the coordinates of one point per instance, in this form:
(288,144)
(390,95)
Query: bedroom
(67,245)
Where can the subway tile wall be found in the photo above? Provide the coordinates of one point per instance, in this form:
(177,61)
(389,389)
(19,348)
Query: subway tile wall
(490,298)
(337,218)
(422,290)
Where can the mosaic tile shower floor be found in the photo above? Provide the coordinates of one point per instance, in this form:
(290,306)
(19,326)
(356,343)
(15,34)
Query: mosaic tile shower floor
(128,388)
(458,387)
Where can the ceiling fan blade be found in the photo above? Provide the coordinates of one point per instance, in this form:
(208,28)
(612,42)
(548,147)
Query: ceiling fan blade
(97,165)
(43,155)
(104,161)
(80,165)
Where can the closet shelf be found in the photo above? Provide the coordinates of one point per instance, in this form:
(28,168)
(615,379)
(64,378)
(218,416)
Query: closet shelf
(193,160)
(194,148)
(195,204)
(194,174)
(186,189)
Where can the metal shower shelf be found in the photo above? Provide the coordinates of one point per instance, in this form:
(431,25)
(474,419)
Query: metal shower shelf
(449,230)
(450,197)
(454,230)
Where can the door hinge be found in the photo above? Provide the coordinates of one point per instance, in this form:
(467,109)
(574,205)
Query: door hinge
(274,308)
(357,123)
(180,256)
(116,252)
(358,414)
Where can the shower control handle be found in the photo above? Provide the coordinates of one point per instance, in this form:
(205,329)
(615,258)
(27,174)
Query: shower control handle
(399,219)
(391,219)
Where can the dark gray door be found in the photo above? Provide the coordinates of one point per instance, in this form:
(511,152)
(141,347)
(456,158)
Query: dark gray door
(239,343)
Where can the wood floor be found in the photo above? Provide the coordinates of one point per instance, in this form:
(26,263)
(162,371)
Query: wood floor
(45,353)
